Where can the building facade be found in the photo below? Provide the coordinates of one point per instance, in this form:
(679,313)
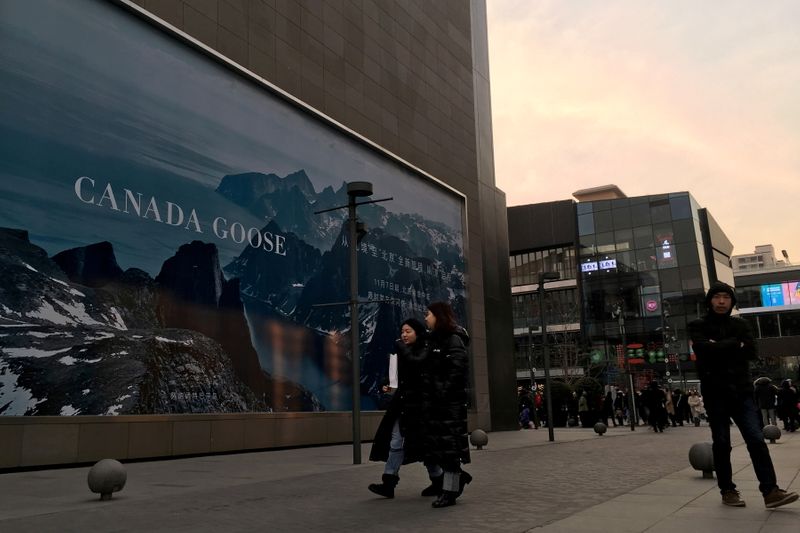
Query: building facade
(769,299)
(404,85)
(641,268)
(762,258)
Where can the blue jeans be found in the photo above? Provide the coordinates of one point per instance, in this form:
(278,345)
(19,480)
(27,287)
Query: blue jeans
(720,408)
(396,455)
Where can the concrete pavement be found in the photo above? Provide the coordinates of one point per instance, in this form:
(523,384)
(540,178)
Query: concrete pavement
(621,482)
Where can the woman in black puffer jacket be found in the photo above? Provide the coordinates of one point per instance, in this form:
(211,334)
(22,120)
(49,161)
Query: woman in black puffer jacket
(400,438)
(447,441)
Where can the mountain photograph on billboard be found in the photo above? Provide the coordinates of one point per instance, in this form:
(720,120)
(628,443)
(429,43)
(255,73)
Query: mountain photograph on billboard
(160,250)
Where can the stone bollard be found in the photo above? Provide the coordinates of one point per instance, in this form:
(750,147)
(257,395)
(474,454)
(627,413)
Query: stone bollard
(772,433)
(600,428)
(701,457)
(106,477)
(479,438)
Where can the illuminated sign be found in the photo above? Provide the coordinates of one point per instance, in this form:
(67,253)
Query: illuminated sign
(589,267)
(775,294)
(608,264)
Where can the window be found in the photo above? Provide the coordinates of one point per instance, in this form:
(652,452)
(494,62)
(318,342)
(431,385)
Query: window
(622,217)
(769,325)
(643,237)
(790,323)
(680,207)
(603,221)
(585,224)
(645,259)
(640,215)
(624,239)
(660,211)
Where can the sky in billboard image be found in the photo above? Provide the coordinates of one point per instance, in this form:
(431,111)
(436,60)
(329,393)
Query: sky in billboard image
(171,236)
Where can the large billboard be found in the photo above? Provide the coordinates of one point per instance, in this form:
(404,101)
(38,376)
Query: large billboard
(159,247)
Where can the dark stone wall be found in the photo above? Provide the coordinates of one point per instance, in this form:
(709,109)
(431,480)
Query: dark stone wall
(409,75)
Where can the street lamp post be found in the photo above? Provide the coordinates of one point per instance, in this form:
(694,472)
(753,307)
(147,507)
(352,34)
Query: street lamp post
(355,189)
(547,389)
(634,416)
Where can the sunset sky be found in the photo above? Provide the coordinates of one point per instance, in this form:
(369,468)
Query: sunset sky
(654,97)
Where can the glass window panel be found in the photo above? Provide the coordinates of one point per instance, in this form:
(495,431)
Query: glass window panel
(640,214)
(648,278)
(585,224)
(626,261)
(769,325)
(603,222)
(605,242)
(587,245)
(602,205)
(622,217)
(687,253)
(645,259)
(691,278)
(790,323)
(584,207)
(660,211)
(670,280)
(680,208)
(752,321)
(683,231)
(749,296)
(624,239)
(643,237)
(666,255)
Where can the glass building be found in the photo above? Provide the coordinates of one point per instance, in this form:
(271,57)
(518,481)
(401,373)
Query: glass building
(642,267)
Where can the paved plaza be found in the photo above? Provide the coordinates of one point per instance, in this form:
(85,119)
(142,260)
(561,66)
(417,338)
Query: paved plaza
(621,482)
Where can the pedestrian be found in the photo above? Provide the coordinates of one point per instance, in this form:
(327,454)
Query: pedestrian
(583,410)
(695,405)
(766,394)
(447,433)
(619,407)
(400,438)
(724,348)
(525,418)
(670,406)
(656,400)
(608,409)
(787,406)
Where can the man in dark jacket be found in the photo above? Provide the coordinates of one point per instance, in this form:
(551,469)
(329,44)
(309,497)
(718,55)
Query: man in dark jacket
(724,348)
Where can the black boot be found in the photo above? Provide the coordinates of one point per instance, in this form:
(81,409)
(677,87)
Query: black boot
(463,481)
(435,488)
(446,499)
(385,489)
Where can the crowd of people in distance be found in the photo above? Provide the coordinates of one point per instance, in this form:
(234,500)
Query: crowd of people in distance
(656,406)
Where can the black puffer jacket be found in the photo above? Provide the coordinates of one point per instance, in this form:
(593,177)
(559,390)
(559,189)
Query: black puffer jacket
(409,404)
(447,438)
(724,347)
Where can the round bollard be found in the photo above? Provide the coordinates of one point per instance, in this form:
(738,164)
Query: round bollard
(701,457)
(106,477)
(600,428)
(772,433)
(479,438)
(572,422)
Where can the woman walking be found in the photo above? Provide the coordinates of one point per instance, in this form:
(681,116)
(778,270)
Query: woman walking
(400,438)
(447,444)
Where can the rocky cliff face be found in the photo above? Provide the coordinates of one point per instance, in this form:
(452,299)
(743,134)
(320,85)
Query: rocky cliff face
(67,348)
(93,265)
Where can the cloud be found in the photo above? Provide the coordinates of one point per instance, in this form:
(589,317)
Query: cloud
(654,97)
